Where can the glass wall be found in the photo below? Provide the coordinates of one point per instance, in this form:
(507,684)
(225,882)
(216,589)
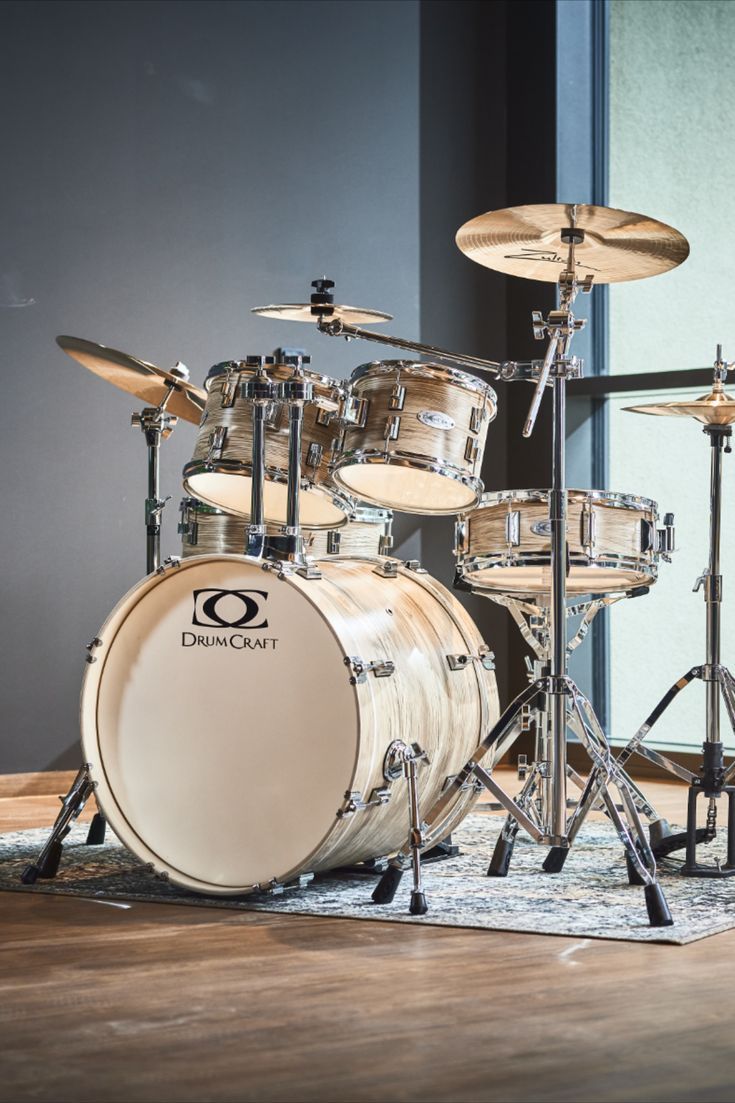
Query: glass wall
(672,156)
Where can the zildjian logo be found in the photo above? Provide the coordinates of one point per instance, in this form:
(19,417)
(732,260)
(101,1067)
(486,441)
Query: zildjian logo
(550,256)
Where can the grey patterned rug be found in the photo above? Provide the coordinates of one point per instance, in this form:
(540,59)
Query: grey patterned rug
(591,898)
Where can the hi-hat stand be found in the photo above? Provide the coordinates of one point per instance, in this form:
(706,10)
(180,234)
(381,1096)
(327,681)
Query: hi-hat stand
(156,424)
(555,691)
(715,778)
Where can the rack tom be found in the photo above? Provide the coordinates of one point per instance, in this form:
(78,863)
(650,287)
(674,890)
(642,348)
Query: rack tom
(613,540)
(220,471)
(415,436)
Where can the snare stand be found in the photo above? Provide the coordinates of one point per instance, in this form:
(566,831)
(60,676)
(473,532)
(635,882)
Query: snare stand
(535,797)
(714,778)
(554,692)
(156,425)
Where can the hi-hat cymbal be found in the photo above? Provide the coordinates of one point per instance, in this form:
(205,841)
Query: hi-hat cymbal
(617,246)
(307,312)
(715,408)
(137,377)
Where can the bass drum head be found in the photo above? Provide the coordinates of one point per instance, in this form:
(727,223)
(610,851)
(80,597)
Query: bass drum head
(406,487)
(231,493)
(220,755)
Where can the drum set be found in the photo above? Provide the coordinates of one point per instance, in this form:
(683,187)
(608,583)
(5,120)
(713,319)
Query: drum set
(338,706)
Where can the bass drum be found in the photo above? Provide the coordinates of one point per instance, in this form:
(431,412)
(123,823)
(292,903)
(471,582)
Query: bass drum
(236,719)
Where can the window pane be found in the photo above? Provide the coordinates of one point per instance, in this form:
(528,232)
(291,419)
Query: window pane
(672,156)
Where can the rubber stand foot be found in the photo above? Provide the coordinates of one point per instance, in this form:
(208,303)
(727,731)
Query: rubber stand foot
(49,867)
(634,877)
(658,830)
(96,833)
(29,876)
(500,861)
(555,859)
(387,886)
(658,910)
(418,905)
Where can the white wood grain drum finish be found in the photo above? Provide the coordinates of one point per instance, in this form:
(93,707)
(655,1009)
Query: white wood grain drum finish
(432,464)
(223,479)
(224,762)
(612,561)
(209,531)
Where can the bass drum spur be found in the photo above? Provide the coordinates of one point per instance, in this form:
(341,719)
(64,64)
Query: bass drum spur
(238,722)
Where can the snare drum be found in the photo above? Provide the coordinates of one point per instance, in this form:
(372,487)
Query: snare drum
(220,470)
(415,437)
(614,544)
(270,756)
(205,531)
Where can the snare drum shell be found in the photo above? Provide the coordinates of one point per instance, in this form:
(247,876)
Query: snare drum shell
(290,770)
(505,543)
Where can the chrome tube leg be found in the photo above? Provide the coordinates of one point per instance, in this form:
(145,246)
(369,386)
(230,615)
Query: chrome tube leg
(558,616)
(713,589)
(418,905)
(153,502)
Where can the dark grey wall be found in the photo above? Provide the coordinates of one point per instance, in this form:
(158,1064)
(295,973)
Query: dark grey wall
(166,167)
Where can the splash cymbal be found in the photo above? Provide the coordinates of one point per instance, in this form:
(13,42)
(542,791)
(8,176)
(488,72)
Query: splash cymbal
(309,312)
(137,377)
(616,246)
(715,408)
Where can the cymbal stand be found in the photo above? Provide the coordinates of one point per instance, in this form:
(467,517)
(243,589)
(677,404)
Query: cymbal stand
(714,778)
(556,691)
(156,425)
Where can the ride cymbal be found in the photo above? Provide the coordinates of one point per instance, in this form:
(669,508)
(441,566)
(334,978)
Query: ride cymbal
(616,246)
(137,377)
(309,312)
(715,408)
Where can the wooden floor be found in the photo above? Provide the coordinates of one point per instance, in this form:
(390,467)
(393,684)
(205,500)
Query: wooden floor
(147,1002)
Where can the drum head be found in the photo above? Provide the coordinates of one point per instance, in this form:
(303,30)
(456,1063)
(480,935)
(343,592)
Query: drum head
(408,488)
(580,579)
(220,724)
(232,493)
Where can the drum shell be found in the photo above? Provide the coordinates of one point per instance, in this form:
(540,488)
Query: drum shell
(364,535)
(617,556)
(448,711)
(465,406)
(228,411)
(208,531)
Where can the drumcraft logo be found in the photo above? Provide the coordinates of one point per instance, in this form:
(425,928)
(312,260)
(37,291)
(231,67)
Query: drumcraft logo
(229,609)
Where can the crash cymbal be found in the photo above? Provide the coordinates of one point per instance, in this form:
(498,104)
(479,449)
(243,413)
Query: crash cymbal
(307,312)
(617,246)
(715,408)
(137,377)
